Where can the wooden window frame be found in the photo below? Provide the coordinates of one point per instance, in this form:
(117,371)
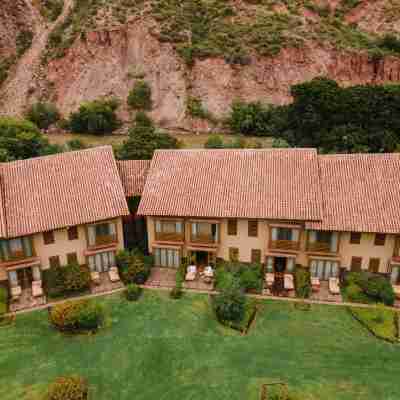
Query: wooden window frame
(252,228)
(54,261)
(355,237)
(232,227)
(256,256)
(353,265)
(233,258)
(73,233)
(374,268)
(73,255)
(380,239)
(48,237)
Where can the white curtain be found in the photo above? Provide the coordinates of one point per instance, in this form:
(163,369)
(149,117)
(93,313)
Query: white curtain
(178,227)
(176,259)
(4,249)
(105,261)
(313,236)
(194,228)
(27,246)
(163,262)
(113,228)
(290,264)
(274,234)
(395,275)
(334,242)
(157,257)
(13,277)
(92,264)
(295,235)
(16,245)
(158,226)
(111,258)
(92,235)
(98,263)
(36,273)
(335,270)
(270,264)
(313,267)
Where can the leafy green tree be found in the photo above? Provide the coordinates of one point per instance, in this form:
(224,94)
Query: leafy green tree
(139,97)
(20,139)
(144,139)
(230,303)
(43,114)
(96,117)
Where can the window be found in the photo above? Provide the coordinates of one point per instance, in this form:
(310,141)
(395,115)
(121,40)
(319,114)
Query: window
(253,228)
(233,254)
(356,264)
(324,269)
(102,262)
(101,234)
(72,258)
(15,249)
(374,265)
(48,237)
(72,233)
(324,237)
(169,230)
(54,261)
(380,239)
(256,256)
(285,234)
(169,258)
(232,227)
(355,237)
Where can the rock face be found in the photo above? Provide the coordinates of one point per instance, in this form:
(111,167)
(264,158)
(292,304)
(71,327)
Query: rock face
(107,61)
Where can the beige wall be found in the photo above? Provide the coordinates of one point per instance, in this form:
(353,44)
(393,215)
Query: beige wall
(366,249)
(62,246)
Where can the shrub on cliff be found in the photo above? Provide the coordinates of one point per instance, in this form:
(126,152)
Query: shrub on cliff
(43,114)
(96,117)
(144,139)
(139,97)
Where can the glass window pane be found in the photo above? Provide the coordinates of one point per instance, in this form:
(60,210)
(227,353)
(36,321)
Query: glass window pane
(163,258)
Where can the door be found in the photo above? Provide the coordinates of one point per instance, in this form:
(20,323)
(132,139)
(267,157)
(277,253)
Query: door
(201,258)
(280,264)
(25,278)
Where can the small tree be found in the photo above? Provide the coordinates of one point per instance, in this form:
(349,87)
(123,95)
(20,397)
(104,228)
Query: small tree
(43,114)
(230,303)
(97,117)
(139,97)
(144,140)
(214,142)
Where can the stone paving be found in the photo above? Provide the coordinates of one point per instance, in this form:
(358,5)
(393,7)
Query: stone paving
(27,301)
(105,284)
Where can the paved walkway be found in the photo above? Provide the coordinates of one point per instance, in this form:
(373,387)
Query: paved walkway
(255,296)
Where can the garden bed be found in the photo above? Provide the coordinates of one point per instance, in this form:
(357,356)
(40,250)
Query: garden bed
(380,321)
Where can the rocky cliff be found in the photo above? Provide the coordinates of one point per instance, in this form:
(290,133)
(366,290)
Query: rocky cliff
(253,50)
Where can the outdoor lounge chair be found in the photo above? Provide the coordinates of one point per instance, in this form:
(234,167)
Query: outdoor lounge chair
(37,290)
(95,277)
(208,272)
(269,279)
(288,282)
(191,273)
(315,284)
(113,274)
(396,289)
(334,286)
(16,292)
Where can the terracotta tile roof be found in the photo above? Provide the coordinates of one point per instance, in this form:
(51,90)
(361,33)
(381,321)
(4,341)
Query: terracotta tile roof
(61,190)
(361,192)
(267,183)
(133,175)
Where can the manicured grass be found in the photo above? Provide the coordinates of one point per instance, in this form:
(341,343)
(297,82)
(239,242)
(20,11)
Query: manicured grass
(189,140)
(158,348)
(380,321)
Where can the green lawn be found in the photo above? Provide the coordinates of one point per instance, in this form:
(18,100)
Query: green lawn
(160,348)
(189,140)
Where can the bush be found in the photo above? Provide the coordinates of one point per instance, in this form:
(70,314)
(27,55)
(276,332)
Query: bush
(249,276)
(3,301)
(355,294)
(303,282)
(23,41)
(43,114)
(177,292)
(68,388)
(214,142)
(65,280)
(132,292)
(380,290)
(97,117)
(230,303)
(134,267)
(75,144)
(281,392)
(77,316)
(139,97)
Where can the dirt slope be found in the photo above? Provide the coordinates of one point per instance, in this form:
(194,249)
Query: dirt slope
(252,50)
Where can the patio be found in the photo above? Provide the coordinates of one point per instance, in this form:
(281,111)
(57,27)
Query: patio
(105,284)
(26,301)
(323,294)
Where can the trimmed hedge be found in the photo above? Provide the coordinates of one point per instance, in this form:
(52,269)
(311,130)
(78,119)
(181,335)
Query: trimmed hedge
(67,280)
(132,292)
(303,282)
(77,316)
(68,388)
(134,267)
(3,301)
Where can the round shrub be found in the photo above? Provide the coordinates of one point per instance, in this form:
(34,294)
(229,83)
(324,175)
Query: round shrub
(68,388)
(380,289)
(230,304)
(355,293)
(176,293)
(132,292)
(134,269)
(77,316)
(43,114)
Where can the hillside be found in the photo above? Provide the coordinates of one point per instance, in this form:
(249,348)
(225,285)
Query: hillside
(210,51)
